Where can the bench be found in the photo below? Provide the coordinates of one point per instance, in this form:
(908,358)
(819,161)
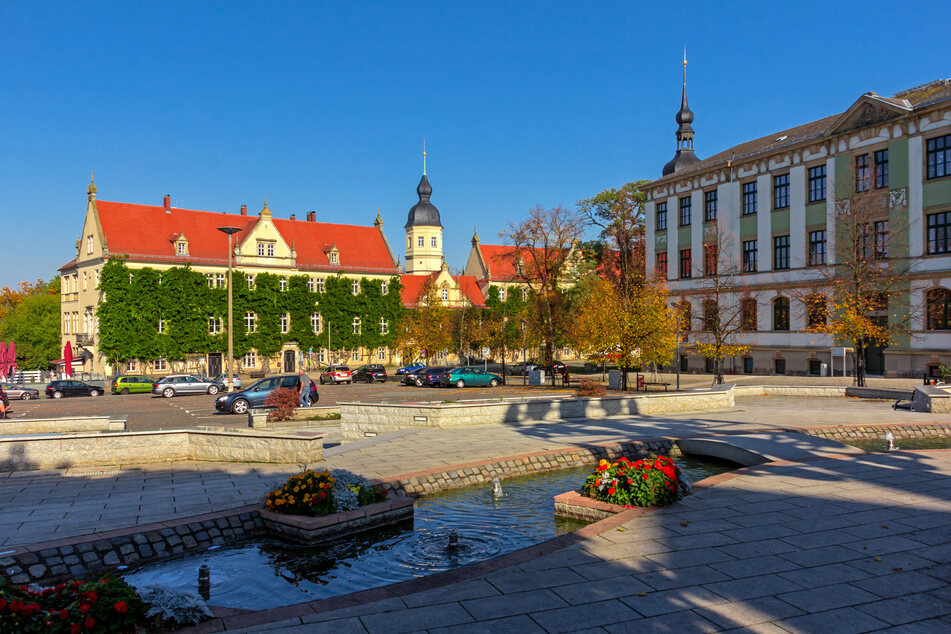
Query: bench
(256,374)
(641,383)
(666,385)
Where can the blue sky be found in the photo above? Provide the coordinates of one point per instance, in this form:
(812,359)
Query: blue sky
(325,105)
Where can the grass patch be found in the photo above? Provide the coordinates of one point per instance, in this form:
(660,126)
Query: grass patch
(328,416)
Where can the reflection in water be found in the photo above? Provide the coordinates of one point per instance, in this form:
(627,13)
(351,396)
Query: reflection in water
(266,573)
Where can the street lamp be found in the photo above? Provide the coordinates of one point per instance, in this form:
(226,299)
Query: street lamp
(230,383)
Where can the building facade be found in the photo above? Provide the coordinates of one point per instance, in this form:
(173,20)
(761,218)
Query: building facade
(775,200)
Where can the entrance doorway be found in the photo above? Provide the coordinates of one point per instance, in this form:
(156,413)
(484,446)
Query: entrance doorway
(290,357)
(214,364)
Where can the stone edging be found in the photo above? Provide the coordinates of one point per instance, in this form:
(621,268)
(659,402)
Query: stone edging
(306,530)
(844,433)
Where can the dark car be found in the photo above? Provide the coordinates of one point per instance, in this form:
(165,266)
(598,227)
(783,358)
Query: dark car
(556,367)
(427,376)
(370,373)
(255,394)
(61,389)
(412,367)
(522,368)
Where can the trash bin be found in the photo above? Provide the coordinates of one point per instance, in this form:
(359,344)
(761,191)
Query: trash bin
(614,379)
(824,369)
(536,377)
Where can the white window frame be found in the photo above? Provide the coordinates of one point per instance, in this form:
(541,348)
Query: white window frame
(161,364)
(283,284)
(181,248)
(357,326)
(214,325)
(250,322)
(161,325)
(220,280)
(381,354)
(316,323)
(433,242)
(420,241)
(285,323)
(250,280)
(320,285)
(249,360)
(445,295)
(355,355)
(384,326)
(334,257)
(90,243)
(383,288)
(355,287)
(310,284)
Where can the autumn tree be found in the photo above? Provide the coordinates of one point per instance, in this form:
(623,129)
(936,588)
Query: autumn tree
(637,329)
(502,324)
(31,319)
(618,214)
(719,311)
(426,330)
(862,300)
(541,255)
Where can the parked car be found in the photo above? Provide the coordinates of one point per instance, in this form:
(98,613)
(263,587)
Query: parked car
(522,368)
(60,389)
(461,377)
(223,379)
(132,383)
(255,394)
(412,367)
(555,367)
(425,376)
(20,393)
(336,374)
(369,373)
(180,384)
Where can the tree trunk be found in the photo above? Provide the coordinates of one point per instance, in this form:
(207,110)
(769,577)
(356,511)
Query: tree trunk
(860,364)
(504,373)
(718,370)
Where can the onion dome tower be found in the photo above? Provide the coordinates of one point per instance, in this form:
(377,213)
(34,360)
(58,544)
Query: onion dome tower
(684,158)
(424,254)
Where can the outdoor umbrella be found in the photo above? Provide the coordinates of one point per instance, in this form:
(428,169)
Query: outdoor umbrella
(3,359)
(12,358)
(68,359)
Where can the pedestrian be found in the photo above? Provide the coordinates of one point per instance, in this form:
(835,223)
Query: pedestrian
(3,403)
(304,386)
(565,378)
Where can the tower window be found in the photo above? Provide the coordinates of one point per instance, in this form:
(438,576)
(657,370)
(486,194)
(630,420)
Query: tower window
(434,242)
(420,241)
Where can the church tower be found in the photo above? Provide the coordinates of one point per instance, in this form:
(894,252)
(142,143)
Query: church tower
(424,254)
(684,158)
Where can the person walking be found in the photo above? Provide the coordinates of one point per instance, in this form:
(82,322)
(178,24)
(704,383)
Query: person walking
(304,387)
(3,403)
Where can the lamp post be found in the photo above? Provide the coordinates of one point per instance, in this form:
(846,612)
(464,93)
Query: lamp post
(524,364)
(230,383)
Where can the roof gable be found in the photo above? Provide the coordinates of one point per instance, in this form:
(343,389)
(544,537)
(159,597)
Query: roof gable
(867,110)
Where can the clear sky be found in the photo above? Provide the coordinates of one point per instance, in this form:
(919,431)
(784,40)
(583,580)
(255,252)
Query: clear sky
(324,106)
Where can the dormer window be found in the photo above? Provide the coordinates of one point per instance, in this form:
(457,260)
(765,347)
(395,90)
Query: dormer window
(335,257)
(265,248)
(181,245)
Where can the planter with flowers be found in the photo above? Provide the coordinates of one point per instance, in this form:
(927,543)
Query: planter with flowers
(624,484)
(313,506)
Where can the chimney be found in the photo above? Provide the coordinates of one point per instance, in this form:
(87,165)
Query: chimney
(244,210)
(167,203)
(311,216)
(293,217)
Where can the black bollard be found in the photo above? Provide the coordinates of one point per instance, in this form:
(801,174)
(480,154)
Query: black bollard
(204,581)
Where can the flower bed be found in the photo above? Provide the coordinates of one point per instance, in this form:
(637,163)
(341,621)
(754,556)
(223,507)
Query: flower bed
(653,481)
(314,506)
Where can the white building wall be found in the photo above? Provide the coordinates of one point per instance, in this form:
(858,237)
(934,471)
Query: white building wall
(830,210)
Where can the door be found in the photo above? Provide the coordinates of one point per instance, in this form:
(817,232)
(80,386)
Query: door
(875,353)
(290,357)
(214,365)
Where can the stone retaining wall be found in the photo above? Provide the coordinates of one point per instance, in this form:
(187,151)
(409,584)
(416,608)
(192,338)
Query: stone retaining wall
(789,390)
(57,452)
(359,420)
(873,432)
(83,424)
(932,399)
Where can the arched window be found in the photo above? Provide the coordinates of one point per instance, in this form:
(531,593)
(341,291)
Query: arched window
(817,310)
(748,313)
(939,309)
(781,313)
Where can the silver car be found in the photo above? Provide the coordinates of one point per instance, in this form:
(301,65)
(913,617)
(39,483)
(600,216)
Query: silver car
(179,384)
(20,393)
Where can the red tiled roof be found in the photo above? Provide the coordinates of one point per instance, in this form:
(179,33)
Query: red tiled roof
(146,232)
(501,264)
(68,265)
(413,286)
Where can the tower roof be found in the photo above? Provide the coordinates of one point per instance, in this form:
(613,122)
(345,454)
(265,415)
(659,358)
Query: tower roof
(423,213)
(685,156)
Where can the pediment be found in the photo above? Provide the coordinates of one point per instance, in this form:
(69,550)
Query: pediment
(263,230)
(868,110)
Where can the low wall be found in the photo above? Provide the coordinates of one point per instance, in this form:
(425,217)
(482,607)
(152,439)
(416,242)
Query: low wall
(311,530)
(61,425)
(359,420)
(789,390)
(932,399)
(57,452)
(843,433)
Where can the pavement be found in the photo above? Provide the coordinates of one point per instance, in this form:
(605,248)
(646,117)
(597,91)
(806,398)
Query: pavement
(829,543)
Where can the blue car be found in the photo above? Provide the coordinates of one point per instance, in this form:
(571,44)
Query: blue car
(412,367)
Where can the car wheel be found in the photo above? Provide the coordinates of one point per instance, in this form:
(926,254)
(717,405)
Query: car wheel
(125,390)
(370,379)
(240,406)
(57,394)
(93,392)
(419,383)
(321,379)
(460,383)
(26,396)
(494,383)
(212,389)
(168,392)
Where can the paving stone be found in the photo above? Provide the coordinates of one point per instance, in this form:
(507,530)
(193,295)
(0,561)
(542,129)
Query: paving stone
(754,566)
(593,591)
(841,621)
(825,598)
(894,585)
(822,555)
(588,615)
(514,580)
(681,577)
(686,621)
(667,601)
(752,587)
(511,604)
(471,589)
(414,619)
(730,615)
(908,609)
(508,625)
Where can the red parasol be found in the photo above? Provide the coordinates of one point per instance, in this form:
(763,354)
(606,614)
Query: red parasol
(3,359)
(12,357)
(68,359)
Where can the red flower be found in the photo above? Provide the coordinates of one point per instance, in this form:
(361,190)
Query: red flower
(629,481)
(89,622)
(16,605)
(646,477)
(610,490)
(85,607)
(75,628)
(121,607)
(63,615)
(91,596)
(3,603)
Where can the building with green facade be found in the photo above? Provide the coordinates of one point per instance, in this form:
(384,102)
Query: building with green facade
(765,210)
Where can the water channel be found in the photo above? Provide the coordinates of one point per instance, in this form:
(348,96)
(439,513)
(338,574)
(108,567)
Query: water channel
(265,573)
